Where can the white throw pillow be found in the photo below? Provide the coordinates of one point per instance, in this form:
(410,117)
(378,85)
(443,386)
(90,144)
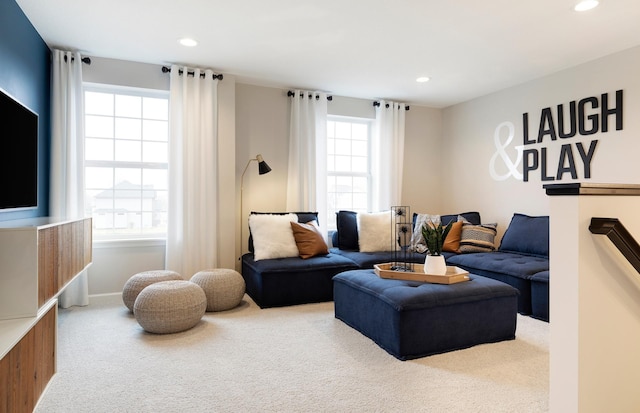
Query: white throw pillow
(272,236)
(374,231)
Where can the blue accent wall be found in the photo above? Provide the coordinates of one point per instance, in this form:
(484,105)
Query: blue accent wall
(25,66)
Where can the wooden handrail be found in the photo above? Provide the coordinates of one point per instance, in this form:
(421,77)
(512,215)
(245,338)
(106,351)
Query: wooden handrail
(621,238)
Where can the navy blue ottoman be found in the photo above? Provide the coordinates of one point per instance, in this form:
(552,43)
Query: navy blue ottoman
(410,319)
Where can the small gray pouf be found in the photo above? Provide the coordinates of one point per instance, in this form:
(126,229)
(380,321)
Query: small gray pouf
(170,306)
(224,288)
(138,282)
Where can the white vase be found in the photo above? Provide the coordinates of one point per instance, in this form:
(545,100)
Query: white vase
(435,264)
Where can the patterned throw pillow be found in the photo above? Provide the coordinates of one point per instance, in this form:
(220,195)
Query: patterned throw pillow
(478,238)
(417,240)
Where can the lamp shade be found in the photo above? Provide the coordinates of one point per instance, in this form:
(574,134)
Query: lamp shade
(263,168)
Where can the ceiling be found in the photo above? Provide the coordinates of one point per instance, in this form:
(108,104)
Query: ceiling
(373,49)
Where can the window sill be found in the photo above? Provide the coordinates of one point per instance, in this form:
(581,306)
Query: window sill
(130,243)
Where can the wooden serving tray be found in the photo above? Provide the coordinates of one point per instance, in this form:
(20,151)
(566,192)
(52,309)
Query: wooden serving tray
(454,274)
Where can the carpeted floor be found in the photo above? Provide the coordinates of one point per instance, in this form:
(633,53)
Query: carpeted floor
(292,359)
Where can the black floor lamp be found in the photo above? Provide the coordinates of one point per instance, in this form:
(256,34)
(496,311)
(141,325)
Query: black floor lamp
(263,168)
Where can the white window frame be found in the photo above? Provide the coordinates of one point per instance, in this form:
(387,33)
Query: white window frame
(331,224)
(119,236)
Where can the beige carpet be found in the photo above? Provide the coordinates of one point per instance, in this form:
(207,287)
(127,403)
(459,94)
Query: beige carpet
(292,359)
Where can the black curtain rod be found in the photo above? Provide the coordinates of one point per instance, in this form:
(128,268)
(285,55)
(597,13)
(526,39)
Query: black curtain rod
(292,93)
(86,60)
(376,103)
(166,69)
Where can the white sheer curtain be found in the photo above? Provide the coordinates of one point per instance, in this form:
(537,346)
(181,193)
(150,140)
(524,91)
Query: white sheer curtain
(66,200)
(193,172)
(388,155)
(307,172)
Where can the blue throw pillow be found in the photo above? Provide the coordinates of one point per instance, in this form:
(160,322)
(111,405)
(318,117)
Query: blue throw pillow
(527,235)
(471,217)
(347,226)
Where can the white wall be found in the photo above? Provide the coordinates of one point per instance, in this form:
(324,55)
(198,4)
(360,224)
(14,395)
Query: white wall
(422,179)
(115,262)
(227,210)
(262,127)
(125,73)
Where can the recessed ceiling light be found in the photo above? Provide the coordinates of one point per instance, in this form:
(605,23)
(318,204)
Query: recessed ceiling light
(586,5)
(422,79)
(185,41)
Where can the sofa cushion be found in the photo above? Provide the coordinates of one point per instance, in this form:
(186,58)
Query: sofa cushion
(540,295)
(302,217)
(272,236)
(527,235)
(478,238)
(541,277)
(347,230)
(515,265)
(374,231)
(290,281)
(513,269)
(308,239)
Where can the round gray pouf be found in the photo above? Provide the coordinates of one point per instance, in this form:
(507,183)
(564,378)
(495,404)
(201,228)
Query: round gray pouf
(170,306)
(224,288)
(139,281)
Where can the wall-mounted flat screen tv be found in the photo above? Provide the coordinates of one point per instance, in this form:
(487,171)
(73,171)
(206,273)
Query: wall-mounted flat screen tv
(18,155)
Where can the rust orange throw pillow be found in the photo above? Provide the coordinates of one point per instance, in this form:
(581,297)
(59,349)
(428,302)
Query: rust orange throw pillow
(309,239)
(452,242)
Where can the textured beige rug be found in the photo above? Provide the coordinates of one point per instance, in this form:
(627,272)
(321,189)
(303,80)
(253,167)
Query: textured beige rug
(292,359)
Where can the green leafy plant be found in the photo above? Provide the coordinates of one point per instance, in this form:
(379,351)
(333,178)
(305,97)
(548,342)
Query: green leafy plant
(434,236)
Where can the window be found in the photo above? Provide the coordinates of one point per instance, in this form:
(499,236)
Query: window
(348,166)
(126,160)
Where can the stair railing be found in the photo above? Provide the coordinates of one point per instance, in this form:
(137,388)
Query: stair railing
(621,238)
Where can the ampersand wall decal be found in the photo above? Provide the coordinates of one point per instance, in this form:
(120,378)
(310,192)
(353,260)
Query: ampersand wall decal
(501,152)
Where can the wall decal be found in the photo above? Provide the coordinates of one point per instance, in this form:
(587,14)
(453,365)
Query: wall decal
(566,162)
(585,117)
(501,152)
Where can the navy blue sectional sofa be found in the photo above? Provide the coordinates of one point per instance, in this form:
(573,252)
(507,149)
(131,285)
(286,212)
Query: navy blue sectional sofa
(521,260)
